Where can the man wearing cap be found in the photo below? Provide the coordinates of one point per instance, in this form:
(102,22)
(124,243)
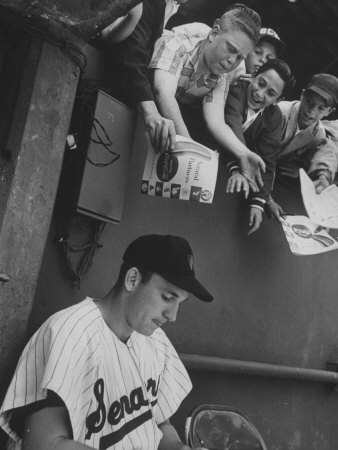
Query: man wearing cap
(269,46)
(102,374)
(307,140)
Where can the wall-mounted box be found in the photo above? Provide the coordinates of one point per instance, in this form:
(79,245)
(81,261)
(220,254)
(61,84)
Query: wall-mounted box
(96,170)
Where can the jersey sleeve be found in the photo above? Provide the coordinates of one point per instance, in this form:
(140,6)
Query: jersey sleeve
(175,383)
(56,359)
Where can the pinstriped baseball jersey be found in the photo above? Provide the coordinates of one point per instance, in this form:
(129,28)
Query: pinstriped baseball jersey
(115,393)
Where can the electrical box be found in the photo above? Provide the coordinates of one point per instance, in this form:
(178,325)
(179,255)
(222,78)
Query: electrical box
(96,164)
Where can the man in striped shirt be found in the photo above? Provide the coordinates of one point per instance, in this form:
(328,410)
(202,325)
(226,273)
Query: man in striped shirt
(102,374)
(190,65)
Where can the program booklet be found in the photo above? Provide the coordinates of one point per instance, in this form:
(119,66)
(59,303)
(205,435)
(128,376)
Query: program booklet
(321,208)
(187,173)
(307,238)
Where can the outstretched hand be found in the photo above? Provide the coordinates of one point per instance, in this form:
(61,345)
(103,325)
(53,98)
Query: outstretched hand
(275,210)
(162,133)
(251,166)
(321,183)
(255,219)
(245,77)
(237,183)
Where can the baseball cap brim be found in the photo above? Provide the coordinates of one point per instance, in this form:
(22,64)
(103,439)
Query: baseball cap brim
(330,101)
(280,45)
(189,284)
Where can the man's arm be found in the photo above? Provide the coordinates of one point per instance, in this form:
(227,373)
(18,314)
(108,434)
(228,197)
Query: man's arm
(324,165)
(250,163)
(50,428)
(161,130)
(171,440)
(134,37)
(165,85)
(122,27)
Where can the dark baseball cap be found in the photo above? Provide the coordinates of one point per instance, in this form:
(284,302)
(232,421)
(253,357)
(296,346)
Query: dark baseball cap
(326,86)
(269,35)
(170,257)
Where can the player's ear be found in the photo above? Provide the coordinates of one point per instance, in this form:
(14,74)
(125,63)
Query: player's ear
(332,109)
(132,279)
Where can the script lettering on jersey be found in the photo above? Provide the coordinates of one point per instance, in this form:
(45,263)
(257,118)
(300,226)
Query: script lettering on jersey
(117,411)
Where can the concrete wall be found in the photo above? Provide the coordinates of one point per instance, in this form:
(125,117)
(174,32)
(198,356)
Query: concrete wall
(270,306)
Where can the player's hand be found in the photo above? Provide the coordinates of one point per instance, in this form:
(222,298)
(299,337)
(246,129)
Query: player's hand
(321,183)
(161,131)
(246,77)
(237,183)
(251,165)
(275,210)
(255,219)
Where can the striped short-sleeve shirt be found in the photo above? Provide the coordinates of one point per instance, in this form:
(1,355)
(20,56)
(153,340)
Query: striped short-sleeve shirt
(116,393)
(178,52)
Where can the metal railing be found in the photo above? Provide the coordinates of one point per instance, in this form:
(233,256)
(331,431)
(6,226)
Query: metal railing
(223,365)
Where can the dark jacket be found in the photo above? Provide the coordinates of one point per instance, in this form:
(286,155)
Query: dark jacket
(262,136)
(134,53)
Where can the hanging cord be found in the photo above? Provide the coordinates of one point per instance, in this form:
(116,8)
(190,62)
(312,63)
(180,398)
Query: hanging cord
(85,90)
(106,145)
(64,226)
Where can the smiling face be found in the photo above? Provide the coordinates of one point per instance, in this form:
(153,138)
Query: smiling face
(265,89)
(312,108)
(263,51)
(151,303)
(224,50)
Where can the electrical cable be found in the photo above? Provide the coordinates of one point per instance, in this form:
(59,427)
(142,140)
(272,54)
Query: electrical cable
(64,225)
(85,91)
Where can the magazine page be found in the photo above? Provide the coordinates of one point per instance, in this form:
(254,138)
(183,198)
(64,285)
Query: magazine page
(307,238)
(321,208)
(187,173)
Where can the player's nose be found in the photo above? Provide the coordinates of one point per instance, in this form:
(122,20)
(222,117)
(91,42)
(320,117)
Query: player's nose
(171,312)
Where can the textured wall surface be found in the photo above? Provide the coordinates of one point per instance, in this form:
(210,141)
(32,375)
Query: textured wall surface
(270,306)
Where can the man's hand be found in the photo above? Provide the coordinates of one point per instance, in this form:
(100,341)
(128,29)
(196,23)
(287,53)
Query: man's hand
(161,130)
(321,183)
(251,165)
(245,77)
(255,219)
(237,183)
(275,210)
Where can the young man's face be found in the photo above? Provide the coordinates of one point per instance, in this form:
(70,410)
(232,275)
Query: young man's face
(225,50)
(312,109)
(152,304)
(263,51)
(265,89)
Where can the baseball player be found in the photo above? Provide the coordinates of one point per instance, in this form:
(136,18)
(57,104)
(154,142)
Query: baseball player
(102,374)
